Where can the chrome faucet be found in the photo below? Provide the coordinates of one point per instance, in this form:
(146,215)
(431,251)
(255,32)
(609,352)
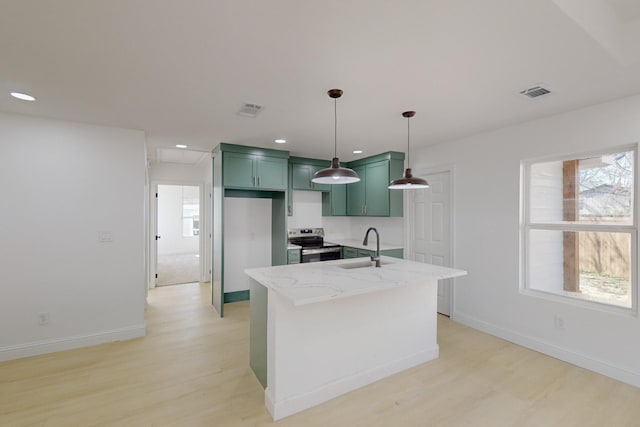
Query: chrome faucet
(375,258)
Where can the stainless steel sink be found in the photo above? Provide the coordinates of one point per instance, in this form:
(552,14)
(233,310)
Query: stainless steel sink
(362,264)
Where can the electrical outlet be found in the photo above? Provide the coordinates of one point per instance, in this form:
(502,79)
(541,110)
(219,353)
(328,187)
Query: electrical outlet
(43,318)
(105,237)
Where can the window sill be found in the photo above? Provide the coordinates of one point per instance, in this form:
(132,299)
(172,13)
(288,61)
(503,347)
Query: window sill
(582,302)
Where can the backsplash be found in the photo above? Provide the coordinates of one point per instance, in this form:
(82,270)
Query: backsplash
(307,212)
(391,229)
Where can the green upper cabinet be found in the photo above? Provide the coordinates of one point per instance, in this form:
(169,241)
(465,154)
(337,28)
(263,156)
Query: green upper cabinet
(376,191)
(254,168)
(334,202)
(371,195)
(271,173)
(239,170)
(356,199)
(302,172)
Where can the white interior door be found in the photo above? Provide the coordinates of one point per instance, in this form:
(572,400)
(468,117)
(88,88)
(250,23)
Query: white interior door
(430,230)
(178,231)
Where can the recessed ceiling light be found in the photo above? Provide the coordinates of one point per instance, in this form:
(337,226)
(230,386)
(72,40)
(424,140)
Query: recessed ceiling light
(358,151)
(181,146)
(23,96)
(280,141)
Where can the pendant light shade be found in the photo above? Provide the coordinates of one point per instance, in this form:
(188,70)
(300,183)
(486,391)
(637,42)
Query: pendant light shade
(408,181)
(335,174)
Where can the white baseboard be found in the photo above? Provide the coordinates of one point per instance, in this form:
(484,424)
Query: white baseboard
(69,343)
(581,360)
(295,404)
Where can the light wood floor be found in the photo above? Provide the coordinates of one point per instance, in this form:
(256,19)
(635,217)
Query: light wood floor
(192,370)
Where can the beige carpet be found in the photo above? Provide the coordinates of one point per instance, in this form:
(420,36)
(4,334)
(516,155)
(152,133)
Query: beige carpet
(178,268)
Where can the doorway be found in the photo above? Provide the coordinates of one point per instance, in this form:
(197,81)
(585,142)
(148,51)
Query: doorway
(178,247)
(429,230)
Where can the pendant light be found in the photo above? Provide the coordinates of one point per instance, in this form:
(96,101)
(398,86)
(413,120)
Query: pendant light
(335,174)
(408,181)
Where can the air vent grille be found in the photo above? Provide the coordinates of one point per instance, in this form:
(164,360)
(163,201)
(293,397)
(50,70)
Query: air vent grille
(535,92)
(250,110)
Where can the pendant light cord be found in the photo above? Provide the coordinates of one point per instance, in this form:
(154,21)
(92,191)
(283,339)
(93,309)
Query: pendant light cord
(408,145)
(335,128)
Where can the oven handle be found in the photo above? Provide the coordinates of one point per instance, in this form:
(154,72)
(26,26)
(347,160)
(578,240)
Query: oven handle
(320,251)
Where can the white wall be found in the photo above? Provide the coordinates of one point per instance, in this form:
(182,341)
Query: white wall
(486,240)
(65,186)
(307,210)
(178,172)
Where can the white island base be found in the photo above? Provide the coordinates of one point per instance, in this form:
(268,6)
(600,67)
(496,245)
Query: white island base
(339,329)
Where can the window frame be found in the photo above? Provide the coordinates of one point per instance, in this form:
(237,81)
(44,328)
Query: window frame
(526,226)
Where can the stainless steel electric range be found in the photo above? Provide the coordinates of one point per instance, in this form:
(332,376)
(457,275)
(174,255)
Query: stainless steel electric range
(313,246)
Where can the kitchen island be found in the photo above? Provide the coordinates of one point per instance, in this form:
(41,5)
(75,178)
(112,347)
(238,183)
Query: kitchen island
(319,330)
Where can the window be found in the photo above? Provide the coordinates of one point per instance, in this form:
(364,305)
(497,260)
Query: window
(579,227)
(190,211)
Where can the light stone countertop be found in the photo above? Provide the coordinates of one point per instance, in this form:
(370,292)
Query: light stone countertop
(316,282)
(292,246)
(358,243)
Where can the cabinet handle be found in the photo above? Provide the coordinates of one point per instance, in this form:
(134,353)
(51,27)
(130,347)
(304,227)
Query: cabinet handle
(365,209)
(258,179)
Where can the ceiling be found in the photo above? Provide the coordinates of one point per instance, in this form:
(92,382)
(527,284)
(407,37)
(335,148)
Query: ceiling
(181,70)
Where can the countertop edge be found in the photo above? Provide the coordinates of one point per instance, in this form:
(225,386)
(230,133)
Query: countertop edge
(263,277)
(353,243)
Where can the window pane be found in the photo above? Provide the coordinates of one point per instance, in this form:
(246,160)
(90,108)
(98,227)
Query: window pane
(606,188)
(588,265)
(594,190)
(190,211)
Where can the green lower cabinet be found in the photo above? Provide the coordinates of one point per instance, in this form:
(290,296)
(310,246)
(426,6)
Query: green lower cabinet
(395,253)
(258,331)
(349,252)
(293,256)
(365,252)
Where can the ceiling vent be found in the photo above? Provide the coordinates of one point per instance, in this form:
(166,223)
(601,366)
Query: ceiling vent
(535,92)
(250,110)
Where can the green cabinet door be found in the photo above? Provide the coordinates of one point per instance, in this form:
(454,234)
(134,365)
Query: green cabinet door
(238,170)
(376,189)
(349,252)
(302,176)
(356,193)
(334,202)
(365,252)
(271,173)
(293,256)
(318,187)
(250,171)
(395,253)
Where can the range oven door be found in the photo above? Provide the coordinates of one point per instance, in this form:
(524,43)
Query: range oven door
(320,254)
